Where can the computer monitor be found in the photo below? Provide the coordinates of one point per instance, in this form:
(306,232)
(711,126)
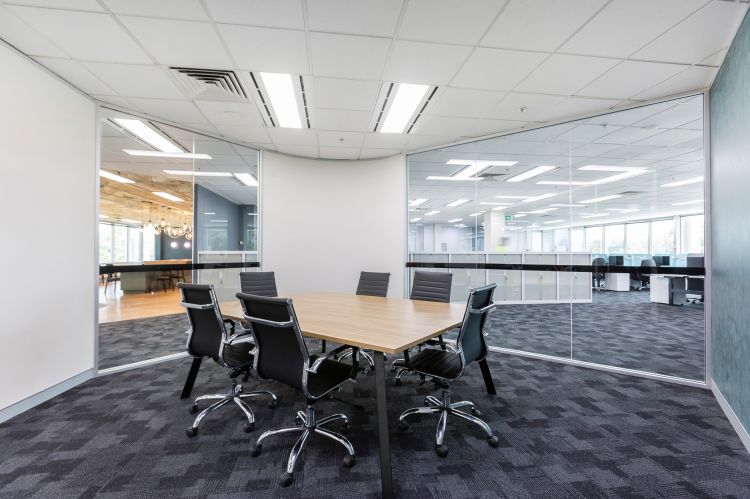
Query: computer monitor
(616,260)
(661,261)
(695,261)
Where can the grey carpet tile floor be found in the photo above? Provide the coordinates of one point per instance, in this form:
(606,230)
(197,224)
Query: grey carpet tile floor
(618,329)
(564,432)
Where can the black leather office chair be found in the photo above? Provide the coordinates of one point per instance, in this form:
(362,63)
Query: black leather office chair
(645,279)
(597,275)
(370,284)
(258,283)
(427,286)
(448,366)
(208,337)
(282,356)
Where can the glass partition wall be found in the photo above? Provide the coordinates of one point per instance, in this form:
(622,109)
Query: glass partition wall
(170,197)
(593,231)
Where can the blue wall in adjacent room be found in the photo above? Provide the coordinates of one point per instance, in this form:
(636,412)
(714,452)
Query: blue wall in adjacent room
(730,237)
(227,221)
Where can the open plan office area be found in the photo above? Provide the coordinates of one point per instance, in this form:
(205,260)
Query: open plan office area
(404,248)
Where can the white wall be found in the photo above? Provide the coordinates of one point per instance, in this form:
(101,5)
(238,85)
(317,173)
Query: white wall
(47,228)
(324,221)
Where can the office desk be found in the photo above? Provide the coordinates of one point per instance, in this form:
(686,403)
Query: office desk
(662,288)
(384,325)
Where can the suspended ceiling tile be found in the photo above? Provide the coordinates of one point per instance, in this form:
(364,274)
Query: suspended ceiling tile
(463,103)
(276,13)
(135,81)
(447,21)
(565,74)
(179,111)
(354,17)
(520,106)
(630,78)
(359,57)
(174,9)
(266,49)
(339,152)
(76,75)
(340,139)
(496,69)
(337,93)
(337,119)
(442,125)
(293,136)
(230,113)
(17,33)
(414,62)
(692,78)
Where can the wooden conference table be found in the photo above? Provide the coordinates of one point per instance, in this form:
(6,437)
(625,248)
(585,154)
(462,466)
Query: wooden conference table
(384,325)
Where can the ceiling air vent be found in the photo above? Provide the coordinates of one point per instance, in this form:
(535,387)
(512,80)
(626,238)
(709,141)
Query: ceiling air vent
(210,84)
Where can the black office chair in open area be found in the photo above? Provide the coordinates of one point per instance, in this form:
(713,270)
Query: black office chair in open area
(282,355)
(258,283)
(427,286)
(600,265)
(208,337)
(449,365)
(644,280)
(370,284)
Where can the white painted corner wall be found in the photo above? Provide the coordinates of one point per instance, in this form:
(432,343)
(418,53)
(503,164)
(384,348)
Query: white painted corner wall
(47,222)
(324,221)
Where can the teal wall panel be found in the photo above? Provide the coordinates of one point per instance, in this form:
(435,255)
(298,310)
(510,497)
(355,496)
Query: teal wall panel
(730,220)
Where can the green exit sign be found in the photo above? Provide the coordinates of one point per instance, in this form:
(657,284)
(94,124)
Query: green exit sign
(508,218)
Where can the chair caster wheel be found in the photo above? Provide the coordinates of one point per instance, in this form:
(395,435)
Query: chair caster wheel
(476,412)
(493,441)
(403,426)
(193,408)
(347,425)
(426,403)
(273,403)
(441,450)
(191,432)
(349,461)
(298,419)
(249,428)
(286,479)
(397,382)
(256,450)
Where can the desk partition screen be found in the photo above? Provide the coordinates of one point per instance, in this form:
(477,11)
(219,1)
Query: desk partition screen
(589,229)
(175,206)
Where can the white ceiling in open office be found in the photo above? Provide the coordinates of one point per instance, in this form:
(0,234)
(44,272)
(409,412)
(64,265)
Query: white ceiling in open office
(627,165)
(497,65)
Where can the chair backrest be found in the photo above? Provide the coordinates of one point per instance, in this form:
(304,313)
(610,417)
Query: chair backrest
(648,262)
(258,283)
(432,286)
(599,262)
(373,283)
(206,323)
(470,340)
(281,352)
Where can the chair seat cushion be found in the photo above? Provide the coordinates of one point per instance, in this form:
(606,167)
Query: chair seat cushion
(238,355)
(330,375)
(434,362)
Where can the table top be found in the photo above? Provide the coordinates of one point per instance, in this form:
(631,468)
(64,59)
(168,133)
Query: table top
(389,325)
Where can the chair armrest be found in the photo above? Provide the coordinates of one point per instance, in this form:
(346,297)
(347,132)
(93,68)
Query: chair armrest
(244,336)
(316,365)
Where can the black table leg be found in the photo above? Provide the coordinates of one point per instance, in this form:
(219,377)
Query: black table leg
(386,480)
(192,374)
(487,375)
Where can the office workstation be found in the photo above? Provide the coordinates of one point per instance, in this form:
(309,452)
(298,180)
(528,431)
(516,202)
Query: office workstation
(382,249)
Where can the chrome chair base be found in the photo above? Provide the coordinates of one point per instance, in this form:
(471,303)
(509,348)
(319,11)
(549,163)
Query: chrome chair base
(368,358)
(308,426)
(236,395)
(445,407)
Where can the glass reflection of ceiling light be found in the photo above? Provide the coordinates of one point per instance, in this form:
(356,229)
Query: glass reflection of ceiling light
(218,221)
(498,208)
(103,216)
(536,212)
(129,221)
(538,198)
(197,174)
(554,221)
(415,219)
(560,205)
(600,199)
(408,96)
(561,182)
(697,201)
(454,220)
(624,210)
(595,215)
(498,204)
(247,179)
(473,179)
(475,166)
(457,202)
(173,244)
(539,170)
(417,202)
(148,135)
(158,154)
(683,182)
(116,178)
(519,215)
(283,99)
(475,214)
(626,172)
(209,213)
(167,195)
(430,213)
(512,197)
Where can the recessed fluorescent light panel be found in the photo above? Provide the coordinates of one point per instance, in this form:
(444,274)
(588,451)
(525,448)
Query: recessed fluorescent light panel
(512,197)
(559,205)
(167,195)
(430,213)
(116,178)
(475,214)
(190,173)
(417,202)
(247,179)
(454,220)
(158,154)
(626,172)
(408,97)
(600,199)
(148,135)
(561,182)
(539,170)
(554,221)
(474,167)
(595,215)
(519,215)
(544,210)
(684,182)
(498,204)
(697,201)
(280,89)
(457,202)
(434,177)
(539,198)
